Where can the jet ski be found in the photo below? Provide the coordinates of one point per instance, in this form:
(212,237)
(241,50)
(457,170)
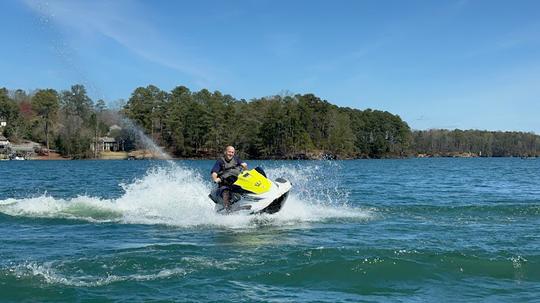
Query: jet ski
(253,193)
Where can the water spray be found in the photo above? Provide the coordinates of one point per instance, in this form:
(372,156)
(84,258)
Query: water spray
(148,144)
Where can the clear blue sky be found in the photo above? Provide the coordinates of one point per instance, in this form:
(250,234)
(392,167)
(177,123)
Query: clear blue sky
(437,64)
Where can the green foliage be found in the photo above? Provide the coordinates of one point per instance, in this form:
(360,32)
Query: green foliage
(75,102)
(45,104)
(441,142)
(100,105)
(195,124)
(9,113)
(202,123)
(78,120)
(147,107)
(340,137)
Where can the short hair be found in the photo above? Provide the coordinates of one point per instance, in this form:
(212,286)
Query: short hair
(226,148)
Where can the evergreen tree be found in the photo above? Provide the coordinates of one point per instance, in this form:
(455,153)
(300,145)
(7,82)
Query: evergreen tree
(46,104)
(9,113)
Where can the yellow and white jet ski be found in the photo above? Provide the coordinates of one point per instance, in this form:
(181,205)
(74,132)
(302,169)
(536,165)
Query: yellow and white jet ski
(253,193)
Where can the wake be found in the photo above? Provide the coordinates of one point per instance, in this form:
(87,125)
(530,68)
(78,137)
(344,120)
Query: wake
(177,196)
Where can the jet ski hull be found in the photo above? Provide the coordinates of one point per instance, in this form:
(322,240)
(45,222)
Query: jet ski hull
(270,202)
(276,205)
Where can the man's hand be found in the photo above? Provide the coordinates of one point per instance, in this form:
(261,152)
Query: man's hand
(217,180)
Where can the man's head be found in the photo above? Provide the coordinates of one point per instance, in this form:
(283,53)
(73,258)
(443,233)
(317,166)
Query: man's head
(229,152)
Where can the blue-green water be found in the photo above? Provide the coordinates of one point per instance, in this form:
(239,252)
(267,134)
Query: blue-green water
(368,230)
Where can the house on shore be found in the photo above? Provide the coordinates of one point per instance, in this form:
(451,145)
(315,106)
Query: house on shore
(5,145)
(108,144)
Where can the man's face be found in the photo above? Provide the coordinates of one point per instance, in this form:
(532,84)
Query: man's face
(229,153)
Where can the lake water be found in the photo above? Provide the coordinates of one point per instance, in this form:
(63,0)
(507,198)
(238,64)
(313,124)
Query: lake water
(416,230)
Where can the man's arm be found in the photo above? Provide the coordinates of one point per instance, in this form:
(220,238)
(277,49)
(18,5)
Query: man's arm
(214,172)
(243,164)
(215,178)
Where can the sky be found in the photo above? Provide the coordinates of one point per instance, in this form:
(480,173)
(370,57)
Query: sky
(437,64)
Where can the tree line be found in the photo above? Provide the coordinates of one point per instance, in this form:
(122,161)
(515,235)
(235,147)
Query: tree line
(194,124)
(68,121)
(441,142)
(199,124)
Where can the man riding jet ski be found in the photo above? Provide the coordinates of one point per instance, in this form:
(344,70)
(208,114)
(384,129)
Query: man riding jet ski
(247,191)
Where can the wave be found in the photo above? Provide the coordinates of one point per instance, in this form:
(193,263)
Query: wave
(345,267)
(485,210)
(351,266)
(176,195)
(50,274)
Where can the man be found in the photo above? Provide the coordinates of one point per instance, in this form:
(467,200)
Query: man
(226,171)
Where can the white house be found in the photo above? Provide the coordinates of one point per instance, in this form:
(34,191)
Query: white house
(4,143)
(106,144)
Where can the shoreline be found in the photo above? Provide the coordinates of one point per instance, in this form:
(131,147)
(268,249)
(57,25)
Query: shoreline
(45,158)
(316,156)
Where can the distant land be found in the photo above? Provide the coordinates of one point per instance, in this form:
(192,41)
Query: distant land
(185,124)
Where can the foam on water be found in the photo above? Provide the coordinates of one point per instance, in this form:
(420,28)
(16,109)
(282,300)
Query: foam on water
(50,274)
(178,196)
